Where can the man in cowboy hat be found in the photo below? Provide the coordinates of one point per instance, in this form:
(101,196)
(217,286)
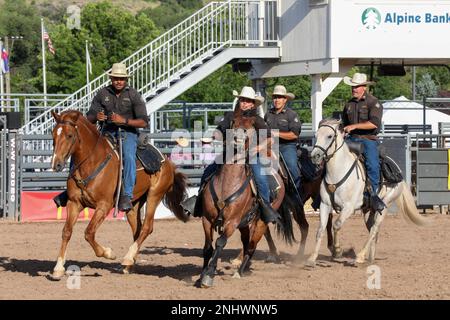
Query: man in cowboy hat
(361,118)
(288,126)
(119,105)
(247,103)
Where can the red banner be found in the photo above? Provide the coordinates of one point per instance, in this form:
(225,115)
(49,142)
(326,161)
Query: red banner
(39,206)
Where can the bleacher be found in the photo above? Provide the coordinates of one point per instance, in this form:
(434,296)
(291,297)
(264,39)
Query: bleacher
(406,128)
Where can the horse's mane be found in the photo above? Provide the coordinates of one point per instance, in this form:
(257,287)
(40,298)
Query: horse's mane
(330,122)
(75,116)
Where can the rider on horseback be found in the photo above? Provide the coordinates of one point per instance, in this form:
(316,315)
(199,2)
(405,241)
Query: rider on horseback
(248,101)
(288,126)
(362,120)
(119,105)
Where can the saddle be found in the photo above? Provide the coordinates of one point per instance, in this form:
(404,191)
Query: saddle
(390,172)
(147,154)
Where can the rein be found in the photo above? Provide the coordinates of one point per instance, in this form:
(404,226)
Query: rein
(82,183)
(222,204)
(331,188)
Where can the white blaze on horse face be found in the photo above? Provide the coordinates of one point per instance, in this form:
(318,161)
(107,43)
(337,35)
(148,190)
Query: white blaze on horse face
(58,133)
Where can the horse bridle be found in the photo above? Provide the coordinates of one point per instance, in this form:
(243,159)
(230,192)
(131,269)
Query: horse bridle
(331,188)
(83,182)
(327,157)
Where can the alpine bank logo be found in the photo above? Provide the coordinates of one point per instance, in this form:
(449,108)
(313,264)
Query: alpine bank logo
(371,18)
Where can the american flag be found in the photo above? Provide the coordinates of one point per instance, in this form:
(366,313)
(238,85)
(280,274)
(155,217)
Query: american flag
(49,41)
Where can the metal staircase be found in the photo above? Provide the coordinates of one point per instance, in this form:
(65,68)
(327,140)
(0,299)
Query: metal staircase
(186,54)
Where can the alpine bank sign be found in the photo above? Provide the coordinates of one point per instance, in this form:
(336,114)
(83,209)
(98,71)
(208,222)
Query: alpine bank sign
(373,18)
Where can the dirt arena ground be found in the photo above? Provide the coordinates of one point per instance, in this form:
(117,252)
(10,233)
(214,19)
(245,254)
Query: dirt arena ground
(414,264)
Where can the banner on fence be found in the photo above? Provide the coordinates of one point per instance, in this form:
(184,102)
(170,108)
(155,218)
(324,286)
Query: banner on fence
(39,206)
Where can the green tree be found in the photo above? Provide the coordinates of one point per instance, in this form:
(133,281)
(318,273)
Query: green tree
(113,34)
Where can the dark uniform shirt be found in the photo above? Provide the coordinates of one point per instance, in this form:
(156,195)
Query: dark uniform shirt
(228,118)
(366,109)
(285,121)
(129,104)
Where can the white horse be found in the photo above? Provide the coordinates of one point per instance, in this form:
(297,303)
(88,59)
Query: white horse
(345,181)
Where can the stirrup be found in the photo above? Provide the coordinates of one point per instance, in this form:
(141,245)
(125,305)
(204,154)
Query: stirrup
(189,204)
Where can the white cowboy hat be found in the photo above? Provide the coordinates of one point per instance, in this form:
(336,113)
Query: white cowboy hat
(119,70)
(358,79)
(206,140)
(280,90)
(249,93)
(182,141)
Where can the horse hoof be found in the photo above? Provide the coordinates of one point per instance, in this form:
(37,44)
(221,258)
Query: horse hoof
(58,274)
(207,281)
(236,262)
(337,254)
(127,263)
(127,269)
(272,259)
(109,254)
(310,263)
(236,275)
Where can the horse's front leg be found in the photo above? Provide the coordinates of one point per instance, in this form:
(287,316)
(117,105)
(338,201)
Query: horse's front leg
(73,210)
(101,211)
(324,213)
(207,277)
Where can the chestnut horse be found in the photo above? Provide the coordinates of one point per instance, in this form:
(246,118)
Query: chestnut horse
(229,204)
(93,180)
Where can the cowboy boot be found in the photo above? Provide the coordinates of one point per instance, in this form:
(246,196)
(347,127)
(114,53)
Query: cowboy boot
(125,204)
(189,204)
(61,199)
(376,203)
(268,214)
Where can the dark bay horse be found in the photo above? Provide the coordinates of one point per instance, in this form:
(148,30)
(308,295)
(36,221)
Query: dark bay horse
(229,204)
(290,206)
(93,180)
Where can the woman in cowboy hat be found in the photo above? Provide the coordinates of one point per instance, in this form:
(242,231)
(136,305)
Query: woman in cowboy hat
(288,127)
(119,105)
(247,102)
(178,155)
(361,119)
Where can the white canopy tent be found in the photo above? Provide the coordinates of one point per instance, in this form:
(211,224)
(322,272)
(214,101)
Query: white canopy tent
(404,111)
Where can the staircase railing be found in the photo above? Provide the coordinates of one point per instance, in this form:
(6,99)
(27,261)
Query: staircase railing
(177,52)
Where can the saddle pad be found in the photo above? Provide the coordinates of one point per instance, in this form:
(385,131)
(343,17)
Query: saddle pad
(150,157)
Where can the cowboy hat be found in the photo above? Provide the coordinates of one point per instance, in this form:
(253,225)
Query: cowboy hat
(358,79)
(280,90)
(119,70)
(206,139)
(249,93)
(182,141)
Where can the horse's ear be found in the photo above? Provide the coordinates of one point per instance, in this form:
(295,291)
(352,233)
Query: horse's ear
(77,115)
(56,116)
(341,127)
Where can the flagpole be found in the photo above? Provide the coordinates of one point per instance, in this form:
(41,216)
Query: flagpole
(87,70)
(44,76)
(1,79)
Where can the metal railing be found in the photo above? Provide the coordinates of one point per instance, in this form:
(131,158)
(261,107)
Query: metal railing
(175,53)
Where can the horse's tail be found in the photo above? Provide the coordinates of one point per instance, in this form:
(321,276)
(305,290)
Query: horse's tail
(285,229)
(406,204)
(176,195)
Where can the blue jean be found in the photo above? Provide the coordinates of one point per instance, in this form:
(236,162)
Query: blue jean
(129,146)
(262,183)
(372,161)
(289,152)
